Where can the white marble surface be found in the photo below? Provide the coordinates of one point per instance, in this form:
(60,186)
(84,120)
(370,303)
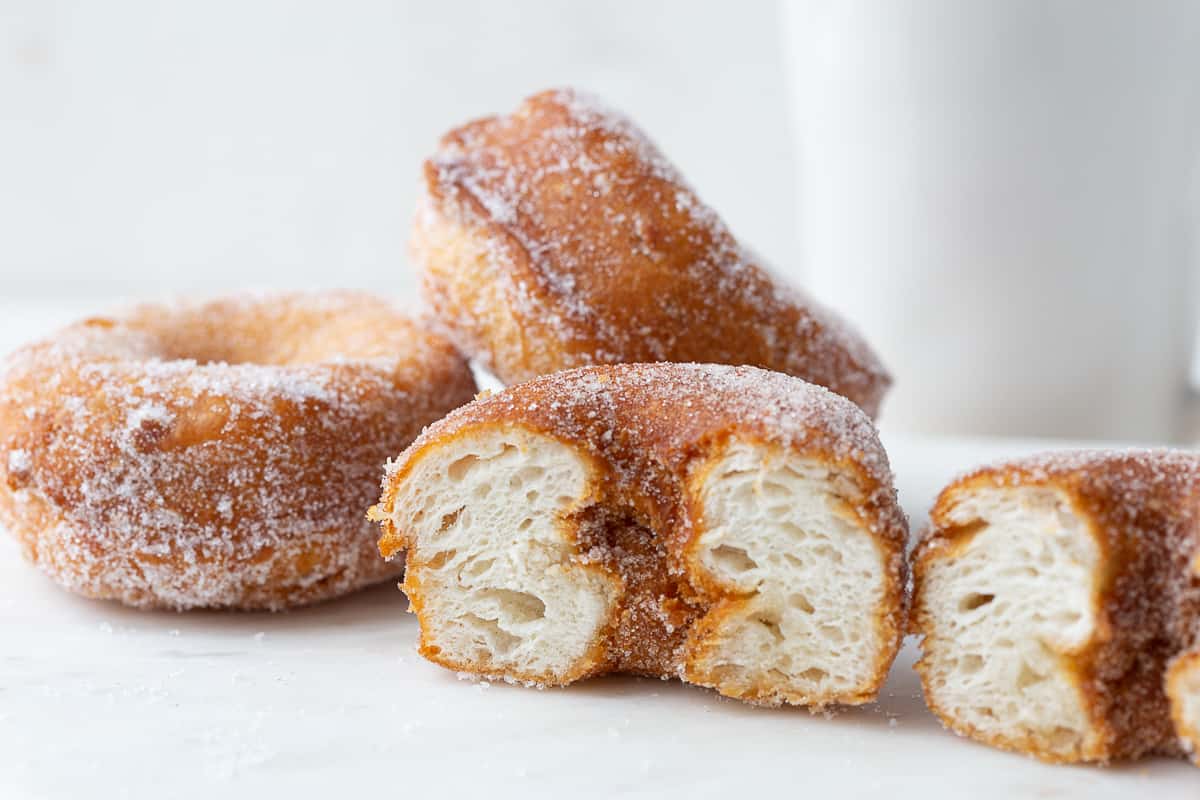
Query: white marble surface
(100,700)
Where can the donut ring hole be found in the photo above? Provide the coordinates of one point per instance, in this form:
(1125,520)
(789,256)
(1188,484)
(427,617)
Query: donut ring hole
(263,334)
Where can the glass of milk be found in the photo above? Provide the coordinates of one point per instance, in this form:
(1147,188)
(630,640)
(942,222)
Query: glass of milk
(1003,195)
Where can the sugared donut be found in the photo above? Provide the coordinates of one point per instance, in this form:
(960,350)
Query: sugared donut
(1052,594)
(558,236)
(217,454)
(1183,688)
(729,526)
(1183,682)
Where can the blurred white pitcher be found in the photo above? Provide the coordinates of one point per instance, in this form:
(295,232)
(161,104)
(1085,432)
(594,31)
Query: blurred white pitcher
(1003,195)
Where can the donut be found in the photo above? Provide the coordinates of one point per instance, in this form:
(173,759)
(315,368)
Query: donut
(729,526)
(1183,689)
(216,454)
(558,237)
(1053,592)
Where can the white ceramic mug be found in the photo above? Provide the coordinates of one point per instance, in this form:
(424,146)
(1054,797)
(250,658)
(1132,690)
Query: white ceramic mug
(1003,196)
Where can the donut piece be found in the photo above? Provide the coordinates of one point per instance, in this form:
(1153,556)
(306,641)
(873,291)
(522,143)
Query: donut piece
(729,526)
(558,237)
(216,454)
(1052,593)
(1183,689)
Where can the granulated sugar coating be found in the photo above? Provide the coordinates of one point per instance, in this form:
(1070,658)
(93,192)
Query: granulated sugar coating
(1131,521)
(676,404)
(216,454)
(730,526)
(559,236)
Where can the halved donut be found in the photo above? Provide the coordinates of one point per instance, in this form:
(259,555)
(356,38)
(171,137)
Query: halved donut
(1053,592)
(729,526)
(558,236)
(216,454)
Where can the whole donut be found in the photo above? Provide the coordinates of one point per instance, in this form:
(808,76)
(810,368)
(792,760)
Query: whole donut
(216,454)
(558,236)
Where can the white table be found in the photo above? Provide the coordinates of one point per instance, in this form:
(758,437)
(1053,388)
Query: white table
(101,701)
(333,701)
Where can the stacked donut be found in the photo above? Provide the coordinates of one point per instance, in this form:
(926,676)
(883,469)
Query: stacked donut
(682,479)
(559,237)
(733,527)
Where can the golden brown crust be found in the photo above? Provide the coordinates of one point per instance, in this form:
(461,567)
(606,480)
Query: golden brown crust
(651,432)
(1142,508)
(216,454)
(558,236)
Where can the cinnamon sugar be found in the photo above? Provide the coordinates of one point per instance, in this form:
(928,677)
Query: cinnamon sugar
(180,482)
(593,238)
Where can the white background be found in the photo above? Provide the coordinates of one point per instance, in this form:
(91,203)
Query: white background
(149,147)
(1004,196)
